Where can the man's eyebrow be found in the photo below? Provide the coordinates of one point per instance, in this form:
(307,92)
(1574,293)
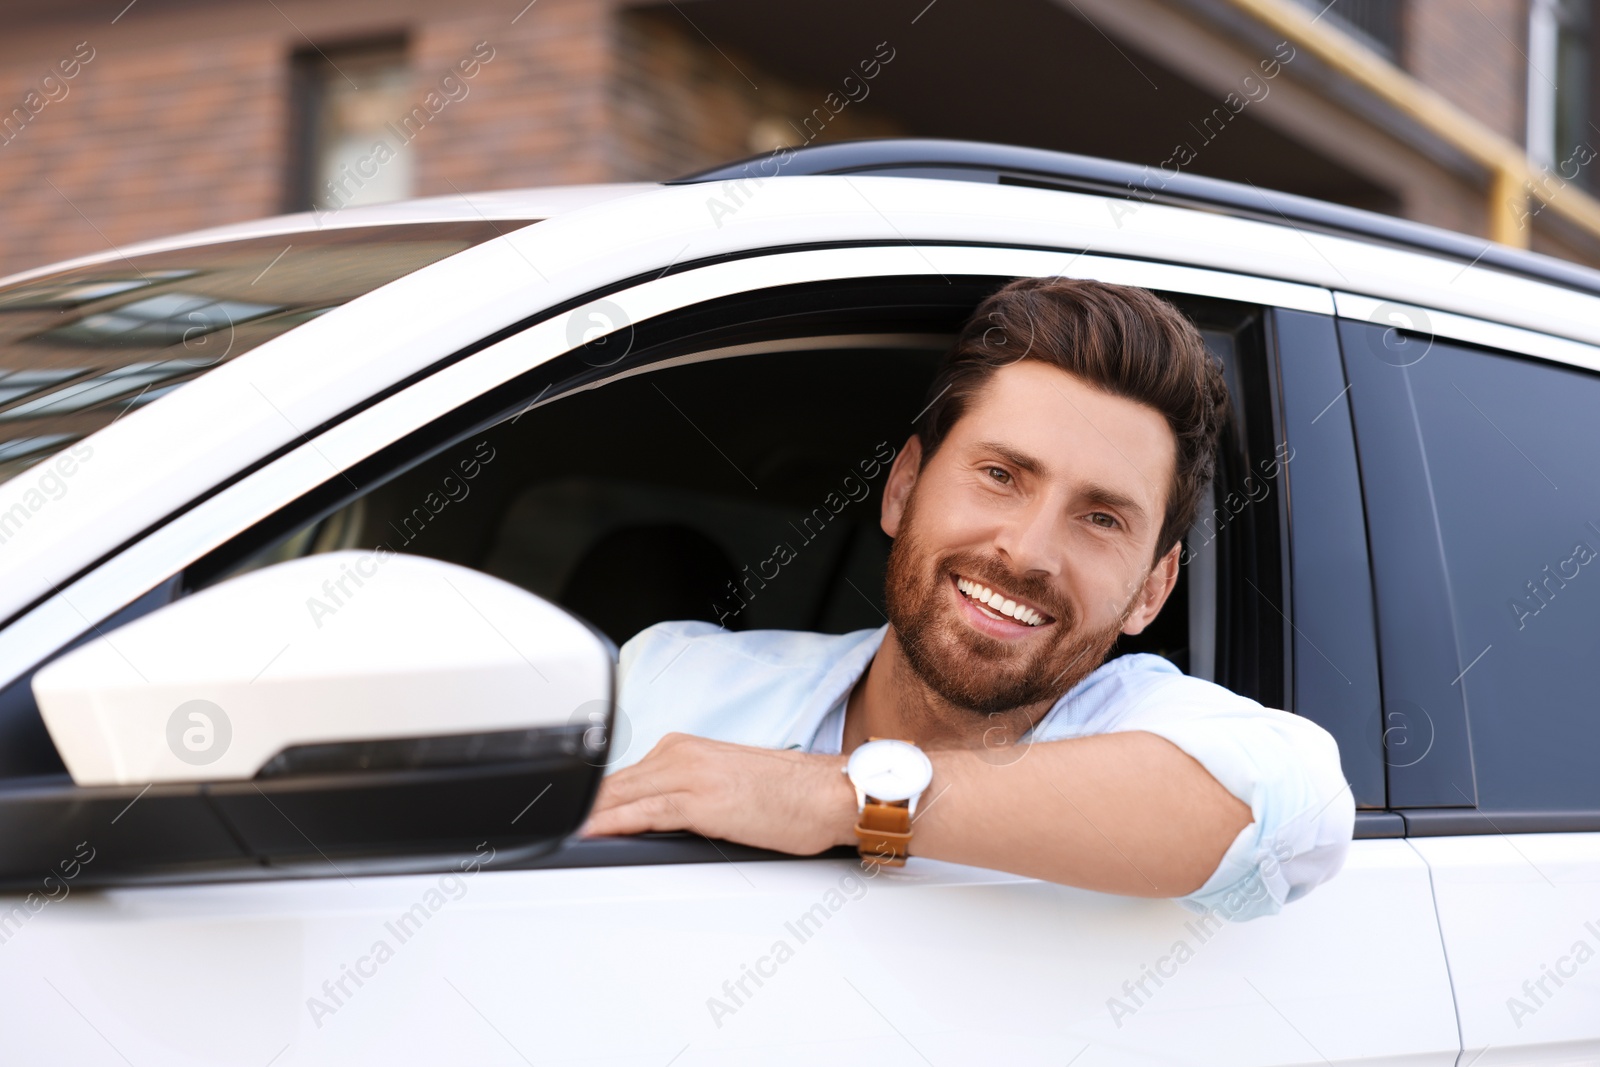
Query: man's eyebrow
(1094,492)
(1110,498)
(1019,460)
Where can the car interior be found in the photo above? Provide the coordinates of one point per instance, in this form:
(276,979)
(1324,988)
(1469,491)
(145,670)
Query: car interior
(675,488)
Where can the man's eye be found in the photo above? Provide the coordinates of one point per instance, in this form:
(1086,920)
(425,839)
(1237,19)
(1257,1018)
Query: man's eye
(1000,474)
(1104,521)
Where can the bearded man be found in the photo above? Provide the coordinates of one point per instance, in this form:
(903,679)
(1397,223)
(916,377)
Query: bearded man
(1037,511)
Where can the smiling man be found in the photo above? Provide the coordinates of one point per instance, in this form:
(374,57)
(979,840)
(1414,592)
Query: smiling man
(1037,512)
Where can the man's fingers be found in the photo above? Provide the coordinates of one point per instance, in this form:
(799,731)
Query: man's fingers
(627,785)
(615,794)
(605,798)
(650,813)
(647,778)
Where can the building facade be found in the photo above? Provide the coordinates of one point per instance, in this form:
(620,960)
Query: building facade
(121,121)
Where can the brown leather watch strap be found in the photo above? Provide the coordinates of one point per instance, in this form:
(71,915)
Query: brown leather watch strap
(883,833)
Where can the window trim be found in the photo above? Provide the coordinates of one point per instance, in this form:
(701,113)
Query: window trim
(1431,322)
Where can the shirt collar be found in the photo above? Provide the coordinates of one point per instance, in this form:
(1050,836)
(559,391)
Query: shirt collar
(835,686)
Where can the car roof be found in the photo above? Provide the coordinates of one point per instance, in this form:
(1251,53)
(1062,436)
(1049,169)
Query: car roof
(976,161)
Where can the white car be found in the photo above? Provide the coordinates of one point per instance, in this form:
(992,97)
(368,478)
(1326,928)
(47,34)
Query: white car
(299,513)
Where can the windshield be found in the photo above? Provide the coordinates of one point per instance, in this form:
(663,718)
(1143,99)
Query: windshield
(80,347)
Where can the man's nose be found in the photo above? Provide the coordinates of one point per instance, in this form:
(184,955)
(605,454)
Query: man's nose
(1030,539)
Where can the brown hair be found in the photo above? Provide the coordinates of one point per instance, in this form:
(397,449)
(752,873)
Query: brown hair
(1125,341)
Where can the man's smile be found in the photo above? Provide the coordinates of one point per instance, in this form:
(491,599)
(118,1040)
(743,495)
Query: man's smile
(996,612)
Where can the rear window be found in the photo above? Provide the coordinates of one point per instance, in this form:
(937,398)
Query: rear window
(1511,445)
(80,347)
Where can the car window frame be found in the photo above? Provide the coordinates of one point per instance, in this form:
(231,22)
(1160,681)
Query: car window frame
(1426,795)
(1336,674)
(206,523)
(387,429)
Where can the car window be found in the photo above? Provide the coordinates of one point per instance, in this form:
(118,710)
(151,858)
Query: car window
(677,483)
(79,347)
(1511,446)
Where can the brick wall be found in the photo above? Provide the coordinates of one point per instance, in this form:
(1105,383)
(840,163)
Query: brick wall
(181,118)
(146,140)
(679,104)
(1471,52)
(535,114)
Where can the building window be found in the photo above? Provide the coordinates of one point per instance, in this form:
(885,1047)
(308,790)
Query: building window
(1375,23)
(1560,84)
(346,148)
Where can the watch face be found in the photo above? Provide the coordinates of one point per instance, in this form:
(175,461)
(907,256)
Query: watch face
(889,770)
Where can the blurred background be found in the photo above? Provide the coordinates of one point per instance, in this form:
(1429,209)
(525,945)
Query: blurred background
(124,121)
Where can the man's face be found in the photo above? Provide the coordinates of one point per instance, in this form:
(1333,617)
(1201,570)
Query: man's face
(1048,493)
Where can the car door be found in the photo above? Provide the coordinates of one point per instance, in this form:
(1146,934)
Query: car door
(778,374)
(1478,445)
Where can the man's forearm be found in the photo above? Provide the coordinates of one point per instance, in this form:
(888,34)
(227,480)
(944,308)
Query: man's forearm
(1126,813)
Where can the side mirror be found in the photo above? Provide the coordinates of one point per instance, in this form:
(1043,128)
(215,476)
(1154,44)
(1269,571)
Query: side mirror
(347,704)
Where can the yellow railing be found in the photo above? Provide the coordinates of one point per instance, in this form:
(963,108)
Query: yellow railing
(1517,190)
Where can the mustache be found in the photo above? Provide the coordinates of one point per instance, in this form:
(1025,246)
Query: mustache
(993,573)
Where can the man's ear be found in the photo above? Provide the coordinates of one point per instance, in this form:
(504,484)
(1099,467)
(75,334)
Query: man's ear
(1157,587)
(902,476)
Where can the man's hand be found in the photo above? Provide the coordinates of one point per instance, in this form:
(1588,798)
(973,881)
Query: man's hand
(788,801)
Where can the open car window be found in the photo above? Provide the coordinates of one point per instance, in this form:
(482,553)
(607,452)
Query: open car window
(744,489)
(656,479)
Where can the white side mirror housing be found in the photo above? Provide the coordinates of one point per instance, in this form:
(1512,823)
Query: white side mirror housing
(341,647)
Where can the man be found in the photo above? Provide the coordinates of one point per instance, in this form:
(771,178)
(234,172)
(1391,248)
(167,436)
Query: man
(1037,512)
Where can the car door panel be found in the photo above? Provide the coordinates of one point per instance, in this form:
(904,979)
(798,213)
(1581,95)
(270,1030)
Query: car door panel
(638,964)
(1521,918)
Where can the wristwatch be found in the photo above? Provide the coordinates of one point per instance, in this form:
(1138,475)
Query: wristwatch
(889,777)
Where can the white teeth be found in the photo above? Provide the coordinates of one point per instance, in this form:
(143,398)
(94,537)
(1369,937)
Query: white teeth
(999,604)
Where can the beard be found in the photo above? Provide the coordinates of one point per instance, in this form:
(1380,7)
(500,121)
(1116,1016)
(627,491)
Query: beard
(972,670)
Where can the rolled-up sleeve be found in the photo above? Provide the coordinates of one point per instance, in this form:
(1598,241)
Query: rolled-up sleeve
(1284,767)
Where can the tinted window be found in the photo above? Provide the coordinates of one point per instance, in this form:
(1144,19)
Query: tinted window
(80,347)
(1513,449)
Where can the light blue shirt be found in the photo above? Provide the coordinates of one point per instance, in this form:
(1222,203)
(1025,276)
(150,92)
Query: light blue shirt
(787,689)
